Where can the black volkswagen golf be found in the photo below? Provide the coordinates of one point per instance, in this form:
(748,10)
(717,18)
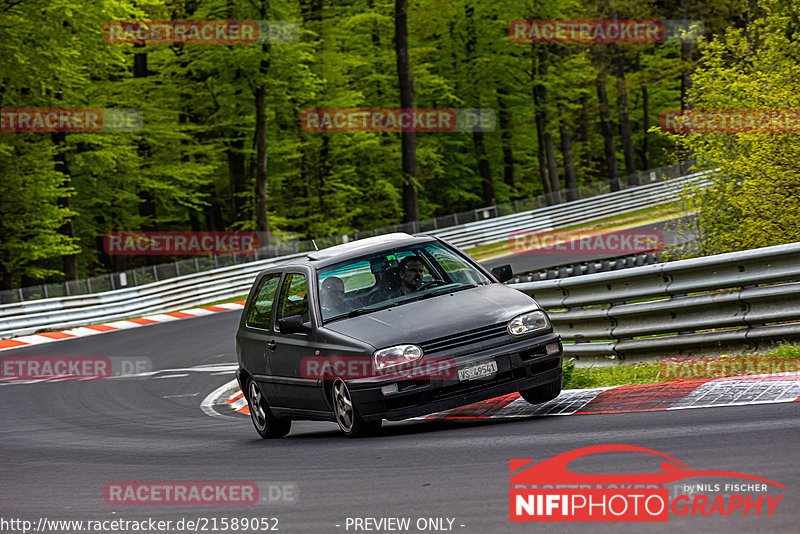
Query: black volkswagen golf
(388,327)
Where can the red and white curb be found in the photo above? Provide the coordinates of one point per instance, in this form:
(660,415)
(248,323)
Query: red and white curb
(47,337)
(706,393)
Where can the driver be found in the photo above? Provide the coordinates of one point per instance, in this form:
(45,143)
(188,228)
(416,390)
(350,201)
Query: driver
(411,271)
(331,296)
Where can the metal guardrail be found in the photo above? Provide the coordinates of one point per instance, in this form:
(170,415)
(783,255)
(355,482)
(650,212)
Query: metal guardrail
(159,297)
(486,218)
(194,289)
(739,300)
(570,213)
(589,267)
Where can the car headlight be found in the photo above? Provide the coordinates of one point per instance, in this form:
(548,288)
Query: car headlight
(528,322)
(397,355)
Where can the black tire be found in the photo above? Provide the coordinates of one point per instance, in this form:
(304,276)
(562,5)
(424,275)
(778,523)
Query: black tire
(543,393)
(267,425)
(346,414)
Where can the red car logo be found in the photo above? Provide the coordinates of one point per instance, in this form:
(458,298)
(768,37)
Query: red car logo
(554,470)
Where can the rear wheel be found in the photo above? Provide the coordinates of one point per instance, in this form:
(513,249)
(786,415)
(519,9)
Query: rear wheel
(347,416)
(267,425)
(543,393)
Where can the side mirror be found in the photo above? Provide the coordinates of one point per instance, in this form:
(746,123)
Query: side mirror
(293,325)
(503,273)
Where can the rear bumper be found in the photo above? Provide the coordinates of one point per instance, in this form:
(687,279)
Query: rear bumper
(520,366)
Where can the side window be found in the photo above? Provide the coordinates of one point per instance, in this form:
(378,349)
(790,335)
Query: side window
(260,314)
(294,297)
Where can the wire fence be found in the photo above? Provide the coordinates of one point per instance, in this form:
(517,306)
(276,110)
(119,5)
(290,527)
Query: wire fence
(154,273)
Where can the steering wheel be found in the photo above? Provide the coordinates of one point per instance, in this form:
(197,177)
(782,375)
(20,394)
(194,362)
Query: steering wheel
(431,283)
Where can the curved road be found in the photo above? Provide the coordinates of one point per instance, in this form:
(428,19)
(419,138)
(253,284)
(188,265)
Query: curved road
(535,260)
(63,441)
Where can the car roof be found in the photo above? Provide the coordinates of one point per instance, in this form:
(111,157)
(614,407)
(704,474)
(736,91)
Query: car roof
(354,249)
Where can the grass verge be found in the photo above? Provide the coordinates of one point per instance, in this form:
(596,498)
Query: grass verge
(782,358)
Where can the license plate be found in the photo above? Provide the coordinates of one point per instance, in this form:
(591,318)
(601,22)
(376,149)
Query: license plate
(482,370)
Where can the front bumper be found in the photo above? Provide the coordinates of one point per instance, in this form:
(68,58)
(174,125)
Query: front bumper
(520,366)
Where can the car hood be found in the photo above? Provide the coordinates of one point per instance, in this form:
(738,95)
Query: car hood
(423,320)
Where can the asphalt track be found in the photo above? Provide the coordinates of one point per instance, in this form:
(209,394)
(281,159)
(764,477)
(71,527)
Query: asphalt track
(63,441)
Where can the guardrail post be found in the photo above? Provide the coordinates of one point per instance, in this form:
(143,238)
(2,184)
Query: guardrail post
(155,273)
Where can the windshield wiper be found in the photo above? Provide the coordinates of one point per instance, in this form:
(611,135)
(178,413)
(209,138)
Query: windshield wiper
(358,311)
(438,293)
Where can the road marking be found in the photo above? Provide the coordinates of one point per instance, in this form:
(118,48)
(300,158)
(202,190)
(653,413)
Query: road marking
(91,330)
(211,398)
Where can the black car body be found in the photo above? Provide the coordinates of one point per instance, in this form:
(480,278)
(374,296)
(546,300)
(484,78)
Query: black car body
(485,338)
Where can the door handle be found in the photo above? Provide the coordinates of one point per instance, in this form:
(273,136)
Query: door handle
(271,345)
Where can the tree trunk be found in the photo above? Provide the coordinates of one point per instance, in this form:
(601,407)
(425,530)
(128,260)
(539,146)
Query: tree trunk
(409,140)
(262,219)
(605,129)
(569,162)
(69,262)
(484,171)
(645,127)
(552,168)
(147,201)
(624,122)
(483,168)
(505,139)
(645,154)
(237,173)
(538,104)
(686,58)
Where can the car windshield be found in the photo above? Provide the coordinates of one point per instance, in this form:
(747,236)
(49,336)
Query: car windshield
(393,277)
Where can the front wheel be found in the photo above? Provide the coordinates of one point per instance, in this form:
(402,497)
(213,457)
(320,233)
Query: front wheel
(267,425)
(543,393)
(347,416)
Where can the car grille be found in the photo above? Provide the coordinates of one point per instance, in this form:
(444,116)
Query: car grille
(463,339)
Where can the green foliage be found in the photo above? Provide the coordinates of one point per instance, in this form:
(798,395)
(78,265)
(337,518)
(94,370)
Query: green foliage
(193,164)
(755,198)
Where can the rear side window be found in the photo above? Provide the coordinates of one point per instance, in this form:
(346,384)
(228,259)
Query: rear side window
(260,314)
(294,297)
